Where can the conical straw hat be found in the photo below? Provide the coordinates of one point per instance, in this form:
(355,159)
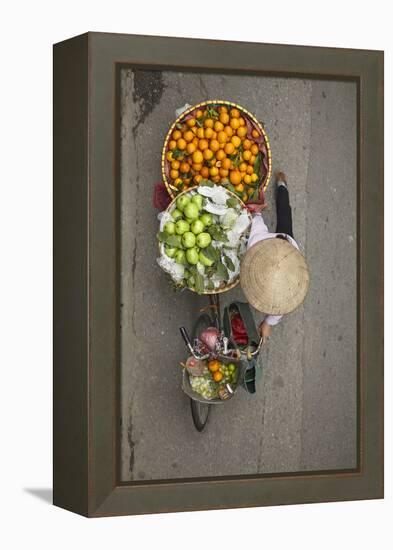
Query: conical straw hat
(274,276)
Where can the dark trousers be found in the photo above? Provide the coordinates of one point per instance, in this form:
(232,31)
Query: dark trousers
(284,212)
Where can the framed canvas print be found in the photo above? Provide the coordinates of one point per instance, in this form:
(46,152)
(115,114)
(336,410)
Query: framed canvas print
(218,274)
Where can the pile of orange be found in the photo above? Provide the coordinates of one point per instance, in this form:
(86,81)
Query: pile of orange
(214,144)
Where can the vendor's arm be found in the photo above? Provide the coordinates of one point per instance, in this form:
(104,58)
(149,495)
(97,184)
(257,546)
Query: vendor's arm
(258,231)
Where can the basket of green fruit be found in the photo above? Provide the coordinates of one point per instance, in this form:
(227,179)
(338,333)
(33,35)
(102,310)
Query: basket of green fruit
(202,238)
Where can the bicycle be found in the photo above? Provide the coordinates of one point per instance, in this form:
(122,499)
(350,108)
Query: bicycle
(200,410)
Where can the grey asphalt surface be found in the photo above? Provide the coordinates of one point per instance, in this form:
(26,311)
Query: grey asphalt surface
(303,416)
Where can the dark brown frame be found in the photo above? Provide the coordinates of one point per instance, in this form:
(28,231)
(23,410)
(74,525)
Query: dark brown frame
(86,274)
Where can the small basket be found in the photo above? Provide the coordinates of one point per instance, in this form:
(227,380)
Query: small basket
(186,386)
(235,282)
(172,190)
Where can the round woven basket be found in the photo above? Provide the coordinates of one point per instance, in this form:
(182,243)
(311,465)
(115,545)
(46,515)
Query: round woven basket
(161,245)
(172,190)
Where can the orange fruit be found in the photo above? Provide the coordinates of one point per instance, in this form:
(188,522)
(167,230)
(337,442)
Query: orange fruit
(198,114)
(241,131)
(191,122)
(229,148)
(178,181)
(176,135)
(252,160)
(242,167)
(185,167)
(246,144)
(223,109)
(217,376)
(222,136)
(209,133)
(214,145)
(174,174)
(218,126)
(247,179)
(198,178)
(224,173)
(209,123)
(220,155)
(213,171)
(224,118)
(234,123)
(205,172)
(191,148)
(239,188)
(250,191)
(255,133)
(200,133)
(228,130)
(236,140)
(207,154)
(250,169)
(188,136)
(226,163)
(235,177)
(169,156)
(254,149)
(197,167)
(247,155)
(172,145)
(216,179)
(181,144)
(195,141)
(235,113)
(175,165)
(244,196)
(197,157)
(203,144)
(254,178)
(242,122)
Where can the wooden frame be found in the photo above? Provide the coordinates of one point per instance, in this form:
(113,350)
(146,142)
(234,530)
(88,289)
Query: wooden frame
(86,231)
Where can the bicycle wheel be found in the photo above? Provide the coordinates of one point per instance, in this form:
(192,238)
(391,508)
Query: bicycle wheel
(200,411)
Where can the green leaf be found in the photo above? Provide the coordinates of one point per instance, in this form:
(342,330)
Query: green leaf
(174,241)
(179,126)
(162,236)
(217,233)
(199,282)
(230,265)
(211,253)
(232,202)
(222,271)
(257,163)
(176,153)
(231,188)
(212,113)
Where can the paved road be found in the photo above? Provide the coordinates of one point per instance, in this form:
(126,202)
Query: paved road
(303,416)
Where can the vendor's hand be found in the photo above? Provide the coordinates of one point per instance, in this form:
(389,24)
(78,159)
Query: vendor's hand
(255,207)
(265,330)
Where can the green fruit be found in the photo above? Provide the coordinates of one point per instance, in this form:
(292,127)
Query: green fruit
(205,260)
(191,281)
(182,226)
(203,240)
(170,251)
(198,200)
(182,202)
(176,214)
(191,211)
(180,257)
(188,239)
(197,226)
(192,256)
(207,219)
(169,228)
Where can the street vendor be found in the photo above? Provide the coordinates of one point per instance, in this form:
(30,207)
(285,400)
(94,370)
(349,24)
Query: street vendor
(274,275)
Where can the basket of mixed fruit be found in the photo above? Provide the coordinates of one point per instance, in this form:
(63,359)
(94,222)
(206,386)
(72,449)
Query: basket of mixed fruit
(203,237)
(212,381)
(220,141)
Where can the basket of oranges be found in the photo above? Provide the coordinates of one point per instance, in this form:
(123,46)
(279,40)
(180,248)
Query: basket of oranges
(219,141)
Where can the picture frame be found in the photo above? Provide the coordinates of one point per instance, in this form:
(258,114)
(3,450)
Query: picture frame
(86,275)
